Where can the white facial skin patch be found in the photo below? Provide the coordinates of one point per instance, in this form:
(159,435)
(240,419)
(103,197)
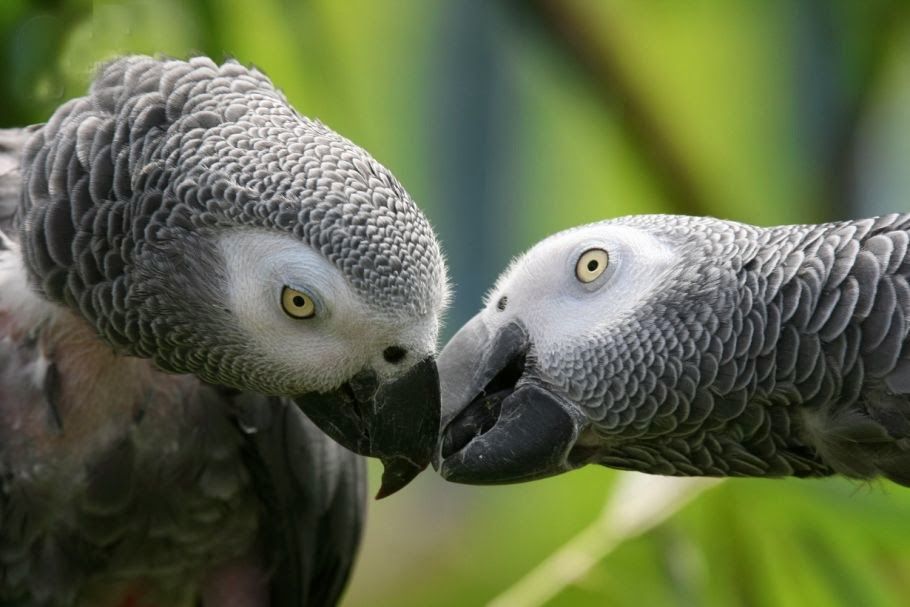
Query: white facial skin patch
(543,289)
(344,336)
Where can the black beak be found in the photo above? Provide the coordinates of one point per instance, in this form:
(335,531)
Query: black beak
(397,421)
(500,424)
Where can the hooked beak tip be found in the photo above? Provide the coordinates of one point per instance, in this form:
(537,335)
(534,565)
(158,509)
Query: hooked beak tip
(397,422)
(397,473)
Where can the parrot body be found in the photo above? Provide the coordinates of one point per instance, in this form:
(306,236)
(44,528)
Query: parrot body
(154,371)
(698,347)
(120,482)
(142,486)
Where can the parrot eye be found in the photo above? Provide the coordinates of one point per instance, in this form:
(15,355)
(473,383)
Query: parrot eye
(296,304)
(591,265)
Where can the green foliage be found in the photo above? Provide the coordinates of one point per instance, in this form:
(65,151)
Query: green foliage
(768,112)
(768,542)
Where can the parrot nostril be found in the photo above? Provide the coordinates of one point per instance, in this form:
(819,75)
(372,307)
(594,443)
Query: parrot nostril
(394,354)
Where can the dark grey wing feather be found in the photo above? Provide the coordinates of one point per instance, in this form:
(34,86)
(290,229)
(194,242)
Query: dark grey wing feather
(863,428)
(12,141)
(314,493)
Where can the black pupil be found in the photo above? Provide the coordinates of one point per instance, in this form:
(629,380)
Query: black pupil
(299,301)
(592,265)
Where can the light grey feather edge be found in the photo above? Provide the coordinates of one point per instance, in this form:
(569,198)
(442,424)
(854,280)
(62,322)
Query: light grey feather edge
(314,495)
(12,142)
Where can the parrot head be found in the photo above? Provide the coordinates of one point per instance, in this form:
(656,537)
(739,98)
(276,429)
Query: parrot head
(189,214)
(566,359)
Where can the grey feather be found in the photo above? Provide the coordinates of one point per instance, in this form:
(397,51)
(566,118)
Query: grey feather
(807,370)
(115,204)
(315,502)
(175,152)
(271,486)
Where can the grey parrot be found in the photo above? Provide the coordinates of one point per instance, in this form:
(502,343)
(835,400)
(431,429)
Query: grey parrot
(198,288)
(688,346)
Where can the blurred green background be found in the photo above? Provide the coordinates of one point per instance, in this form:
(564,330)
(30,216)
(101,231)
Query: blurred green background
(508,121)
